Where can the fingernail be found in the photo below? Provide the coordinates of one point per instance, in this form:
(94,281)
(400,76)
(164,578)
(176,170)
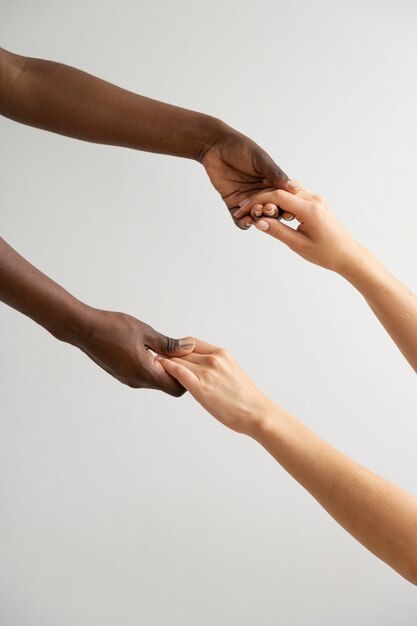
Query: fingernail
(239,213)
(262,225)
(293,184)
(248,225)
(270,212)
(258,213)
(244,203)
(186,344)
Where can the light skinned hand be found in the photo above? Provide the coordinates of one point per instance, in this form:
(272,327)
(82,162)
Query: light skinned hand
(217,382)
(320,238)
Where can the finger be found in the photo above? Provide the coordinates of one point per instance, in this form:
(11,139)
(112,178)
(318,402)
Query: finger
(158,378)
(181,373)
(293,186)
(166,345)
(193,367)
(281,214)
(243,210)
(195,357)
(256,210)
(245,222)
(202,347)
(270,210)
(286,201)
(300,190)
(280,231)
(271,171)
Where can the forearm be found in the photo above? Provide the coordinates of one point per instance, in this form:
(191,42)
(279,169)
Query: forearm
(26,289)
(394,304)
(65,100)
(380,515)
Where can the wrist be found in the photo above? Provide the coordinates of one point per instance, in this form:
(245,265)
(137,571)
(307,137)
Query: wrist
(75,326)
(208,132)
(263,415)
(357,266)
(275,425)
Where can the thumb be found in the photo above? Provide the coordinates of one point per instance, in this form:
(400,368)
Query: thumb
(273,175)
(280,231)
(167,346)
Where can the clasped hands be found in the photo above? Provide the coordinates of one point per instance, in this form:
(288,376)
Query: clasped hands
(256,192)
(139,356)
(210,374)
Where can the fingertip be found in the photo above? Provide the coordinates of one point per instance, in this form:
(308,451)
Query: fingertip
(246,222)
(256,210)
(270,209)
(186,345)
(262,225)
(164,378)
(293,185)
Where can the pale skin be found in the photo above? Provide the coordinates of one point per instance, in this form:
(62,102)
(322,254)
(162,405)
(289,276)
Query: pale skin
(321,239)
(379,514)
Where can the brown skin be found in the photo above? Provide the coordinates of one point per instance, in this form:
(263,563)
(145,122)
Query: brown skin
(117,342)
(65,100)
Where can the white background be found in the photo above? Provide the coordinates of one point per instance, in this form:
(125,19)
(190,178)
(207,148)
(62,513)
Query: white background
(124,507)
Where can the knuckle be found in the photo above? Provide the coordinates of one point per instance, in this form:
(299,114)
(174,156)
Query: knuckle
(318,202)
(148,332)
(221,353)
(205,387)
(212,359)
(277,230)
(301,248)
(279,195)
(170,344)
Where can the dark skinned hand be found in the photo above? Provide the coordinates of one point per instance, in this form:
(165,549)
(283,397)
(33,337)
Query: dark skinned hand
(238,169)
(123,346)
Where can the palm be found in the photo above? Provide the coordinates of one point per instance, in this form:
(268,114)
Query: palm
(237,167)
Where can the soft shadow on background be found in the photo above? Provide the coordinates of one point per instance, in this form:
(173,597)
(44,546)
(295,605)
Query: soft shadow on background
(130,507)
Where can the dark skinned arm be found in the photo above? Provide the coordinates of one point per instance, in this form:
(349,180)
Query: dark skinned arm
(117,342)
(65,100)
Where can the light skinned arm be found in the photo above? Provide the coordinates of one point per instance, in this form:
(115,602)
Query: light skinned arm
(59,98)
(321,239)
(117,342)
(380,515)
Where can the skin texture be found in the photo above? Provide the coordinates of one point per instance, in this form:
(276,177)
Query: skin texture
(65,100)
(382,516)
(58,98)
(321,239)
(117,342)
